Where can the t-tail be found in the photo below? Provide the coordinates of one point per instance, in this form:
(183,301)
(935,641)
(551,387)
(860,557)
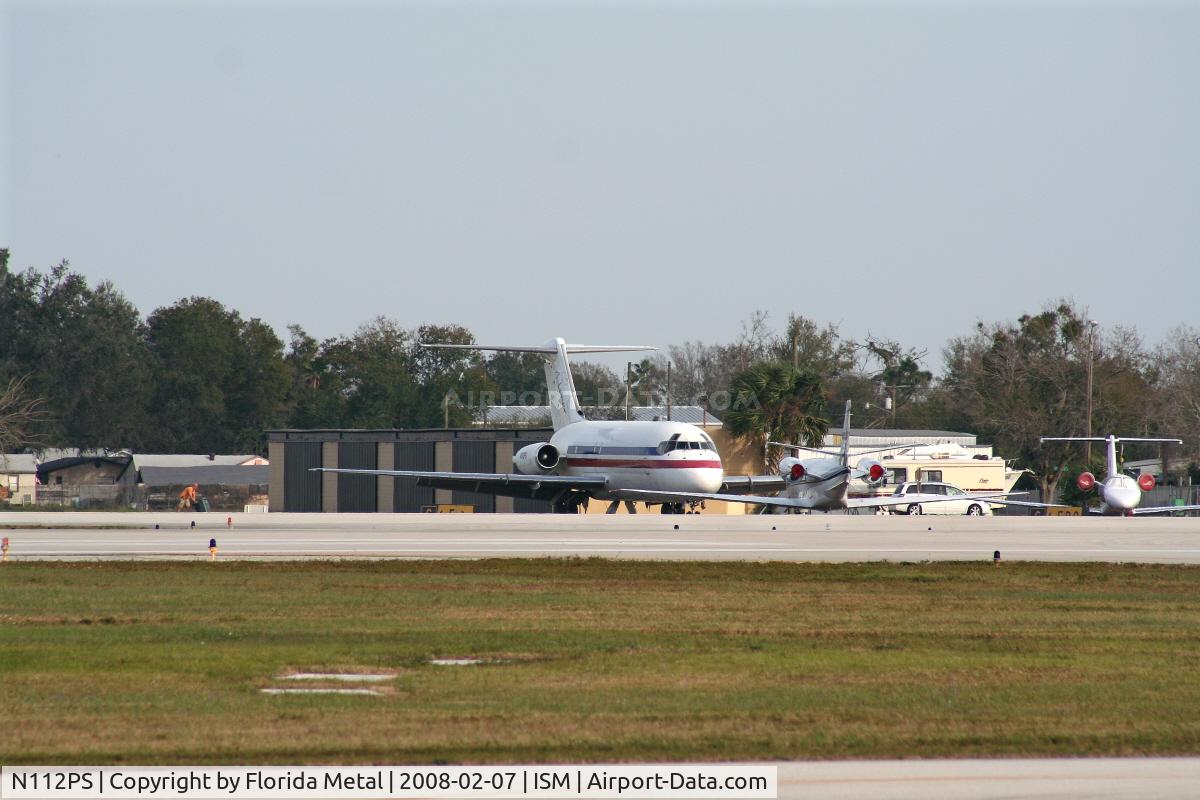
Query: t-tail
(560,386)
(845,450)
(1111,465)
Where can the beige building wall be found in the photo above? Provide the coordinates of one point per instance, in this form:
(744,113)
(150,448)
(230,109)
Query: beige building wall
(329,458)
(443,461)
(385,486)
(504,456)
(275,482)
(21,487)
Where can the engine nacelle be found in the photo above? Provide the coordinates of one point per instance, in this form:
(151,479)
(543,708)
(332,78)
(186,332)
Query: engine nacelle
(1086,481)
(874,471)
(536,459)
(1146,481)
(791,469)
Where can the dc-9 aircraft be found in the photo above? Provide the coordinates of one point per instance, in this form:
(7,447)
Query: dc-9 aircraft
(660,462)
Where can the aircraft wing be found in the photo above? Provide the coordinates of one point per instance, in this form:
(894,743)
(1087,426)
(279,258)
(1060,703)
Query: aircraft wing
(781,502)
(676,497)
(542,487)
(1004,501)
(919,499)
(1164,509)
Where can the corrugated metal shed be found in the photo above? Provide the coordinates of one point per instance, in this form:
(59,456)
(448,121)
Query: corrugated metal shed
(881,437)
(215,475)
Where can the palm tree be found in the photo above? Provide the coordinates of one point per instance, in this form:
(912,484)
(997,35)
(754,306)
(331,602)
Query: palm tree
(777,400)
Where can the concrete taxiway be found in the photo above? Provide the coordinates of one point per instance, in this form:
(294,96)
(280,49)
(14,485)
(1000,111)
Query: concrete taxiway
(993,779)
(832,538)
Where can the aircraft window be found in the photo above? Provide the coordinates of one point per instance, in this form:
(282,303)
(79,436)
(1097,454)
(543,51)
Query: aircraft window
(665,447)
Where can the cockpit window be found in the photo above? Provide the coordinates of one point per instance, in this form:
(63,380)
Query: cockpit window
(674,443)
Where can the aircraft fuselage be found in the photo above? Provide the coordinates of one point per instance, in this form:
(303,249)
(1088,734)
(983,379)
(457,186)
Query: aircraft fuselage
(650,456)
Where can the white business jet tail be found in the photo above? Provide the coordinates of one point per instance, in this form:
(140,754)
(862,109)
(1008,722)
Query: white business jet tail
(1113,467)
(560,387)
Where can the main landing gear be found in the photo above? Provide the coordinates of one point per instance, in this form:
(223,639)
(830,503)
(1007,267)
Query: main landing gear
(571,503)
(691,507)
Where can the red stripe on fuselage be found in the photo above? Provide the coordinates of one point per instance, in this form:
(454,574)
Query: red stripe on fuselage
(642,463)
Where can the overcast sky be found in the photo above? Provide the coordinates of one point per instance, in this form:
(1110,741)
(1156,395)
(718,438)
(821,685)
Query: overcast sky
(615,173)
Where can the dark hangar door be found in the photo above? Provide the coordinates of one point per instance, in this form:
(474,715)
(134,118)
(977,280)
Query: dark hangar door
(357,492)
(407,496)
(301,488)
(475,457)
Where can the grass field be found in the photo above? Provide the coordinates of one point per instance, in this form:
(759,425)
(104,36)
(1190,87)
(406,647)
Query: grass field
(140,662)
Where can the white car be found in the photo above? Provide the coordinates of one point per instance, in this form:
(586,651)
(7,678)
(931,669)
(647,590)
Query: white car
(931,491)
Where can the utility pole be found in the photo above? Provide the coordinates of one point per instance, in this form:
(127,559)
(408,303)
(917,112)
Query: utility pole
(668,391)
(628,386)
(1087,457)
(888,390)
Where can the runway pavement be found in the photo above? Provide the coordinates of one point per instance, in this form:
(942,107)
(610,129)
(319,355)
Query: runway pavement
(647,536)
(993,779)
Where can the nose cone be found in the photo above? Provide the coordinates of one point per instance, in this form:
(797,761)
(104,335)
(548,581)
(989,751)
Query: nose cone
(1123,495)
(714,477)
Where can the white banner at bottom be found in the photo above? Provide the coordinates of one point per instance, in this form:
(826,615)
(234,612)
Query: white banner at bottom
(718,781)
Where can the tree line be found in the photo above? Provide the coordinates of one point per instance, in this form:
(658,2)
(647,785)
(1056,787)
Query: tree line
(79,367)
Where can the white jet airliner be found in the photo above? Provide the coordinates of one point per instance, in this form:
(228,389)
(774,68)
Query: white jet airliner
(1119,493)
(658,462)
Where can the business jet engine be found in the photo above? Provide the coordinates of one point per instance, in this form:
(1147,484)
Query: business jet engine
(536,459)
(873,471)
(1086,481)
(1146,481)
(792,469)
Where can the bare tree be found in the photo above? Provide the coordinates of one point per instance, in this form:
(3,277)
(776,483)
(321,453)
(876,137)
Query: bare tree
(1175,371)
(20,412)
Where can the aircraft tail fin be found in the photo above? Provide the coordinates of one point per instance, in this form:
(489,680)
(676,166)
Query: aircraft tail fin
(845,448)
(1111,460)
(560,386)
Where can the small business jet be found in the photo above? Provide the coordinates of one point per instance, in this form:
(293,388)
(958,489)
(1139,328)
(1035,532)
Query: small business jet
(822,484)
(1119,493)
(661,462)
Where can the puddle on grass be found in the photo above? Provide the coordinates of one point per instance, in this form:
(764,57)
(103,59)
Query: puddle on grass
(348,677)
(465,662)
(372,692)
